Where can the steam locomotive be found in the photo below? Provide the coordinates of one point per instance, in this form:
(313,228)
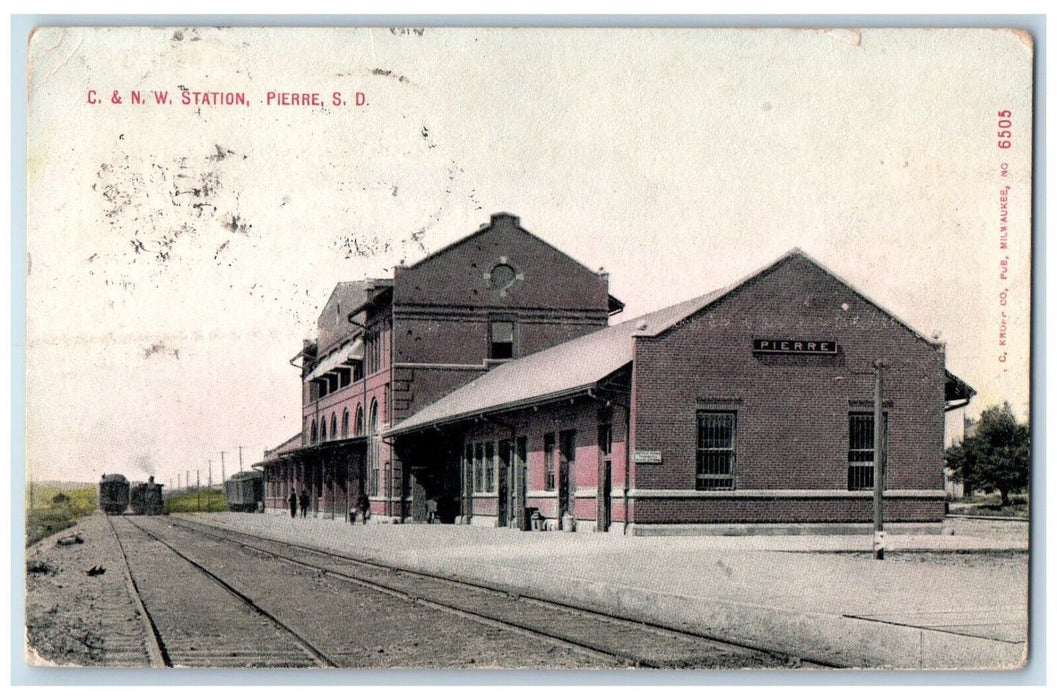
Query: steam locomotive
(146,499)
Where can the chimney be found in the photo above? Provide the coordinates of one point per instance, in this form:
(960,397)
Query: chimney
(503,217)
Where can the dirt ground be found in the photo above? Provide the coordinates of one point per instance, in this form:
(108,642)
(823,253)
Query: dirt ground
(77,619)
(73,618)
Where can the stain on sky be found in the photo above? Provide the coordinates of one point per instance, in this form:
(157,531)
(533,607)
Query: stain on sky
(160,349)
(165,204)
(223,153)
(389,74)
(353,244)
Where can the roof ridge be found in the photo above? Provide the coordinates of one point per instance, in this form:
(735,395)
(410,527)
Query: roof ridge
(607,345)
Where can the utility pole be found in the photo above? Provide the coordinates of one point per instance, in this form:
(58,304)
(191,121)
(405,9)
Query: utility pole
(223,476)
(240,457)
(209,492)
(878,462)
(178,487)
(198,487)
(187,480)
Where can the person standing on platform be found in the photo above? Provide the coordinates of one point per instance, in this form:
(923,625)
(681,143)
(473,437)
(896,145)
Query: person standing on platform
(293,504)
(304,503)
(364,506)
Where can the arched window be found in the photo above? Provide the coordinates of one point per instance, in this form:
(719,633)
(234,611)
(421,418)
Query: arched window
(333,426)
(359,420)
(323,430)
(345,423)
(373,454)
(312,436)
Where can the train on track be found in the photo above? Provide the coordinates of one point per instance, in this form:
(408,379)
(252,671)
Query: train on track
(146,498)
(245,491)
(113,494)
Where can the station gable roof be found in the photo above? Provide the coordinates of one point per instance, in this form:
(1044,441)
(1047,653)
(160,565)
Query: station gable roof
(569,368)
(580,364)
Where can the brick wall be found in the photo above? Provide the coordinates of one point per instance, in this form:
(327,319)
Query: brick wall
(455,276)
(792,411)
(580,415)
(447,337)
(783,510)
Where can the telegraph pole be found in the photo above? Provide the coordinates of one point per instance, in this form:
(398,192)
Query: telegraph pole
(878,462)
(209,492)
(240,457)
(198,487)
(223,476)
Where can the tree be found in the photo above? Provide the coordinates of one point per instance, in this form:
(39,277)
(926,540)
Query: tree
(996,456)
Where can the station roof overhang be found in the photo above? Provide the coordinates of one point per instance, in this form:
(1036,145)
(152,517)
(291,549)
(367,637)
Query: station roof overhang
(612,387)
(956,393)
(324,448)
(343,357)
(488,413)
(272,456)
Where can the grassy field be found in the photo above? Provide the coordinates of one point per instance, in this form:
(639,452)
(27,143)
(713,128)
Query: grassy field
(49,512)
(191,503)
(50,509)
(991,504)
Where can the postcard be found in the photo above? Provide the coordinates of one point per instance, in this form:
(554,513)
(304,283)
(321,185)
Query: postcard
(528,348)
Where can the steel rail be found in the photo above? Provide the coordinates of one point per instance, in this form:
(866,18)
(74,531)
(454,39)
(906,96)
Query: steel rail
(315,653)
(211,530)
(156,651)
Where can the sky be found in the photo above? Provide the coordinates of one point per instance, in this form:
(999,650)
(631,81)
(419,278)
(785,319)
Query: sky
(178,253)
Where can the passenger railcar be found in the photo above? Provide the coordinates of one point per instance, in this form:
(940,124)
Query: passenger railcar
(113,494)
(244,491)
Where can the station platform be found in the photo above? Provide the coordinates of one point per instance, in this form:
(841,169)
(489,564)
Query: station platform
(957,600)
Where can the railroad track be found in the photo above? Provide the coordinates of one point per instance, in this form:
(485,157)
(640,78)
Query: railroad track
(613,639)
(209,632)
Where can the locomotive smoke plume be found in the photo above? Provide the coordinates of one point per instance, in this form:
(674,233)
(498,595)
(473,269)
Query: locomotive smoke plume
(145,465)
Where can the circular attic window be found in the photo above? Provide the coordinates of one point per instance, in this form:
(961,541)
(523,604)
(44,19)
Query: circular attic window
(502,276)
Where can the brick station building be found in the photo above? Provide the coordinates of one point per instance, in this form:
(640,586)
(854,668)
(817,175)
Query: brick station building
(484,385)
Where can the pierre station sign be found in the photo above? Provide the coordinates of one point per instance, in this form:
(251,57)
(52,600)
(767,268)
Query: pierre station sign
(794,347)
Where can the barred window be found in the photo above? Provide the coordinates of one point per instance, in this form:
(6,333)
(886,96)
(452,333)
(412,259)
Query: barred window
(861,450)
(716,449)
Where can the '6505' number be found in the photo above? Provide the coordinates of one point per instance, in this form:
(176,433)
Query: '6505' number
(1005,123)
